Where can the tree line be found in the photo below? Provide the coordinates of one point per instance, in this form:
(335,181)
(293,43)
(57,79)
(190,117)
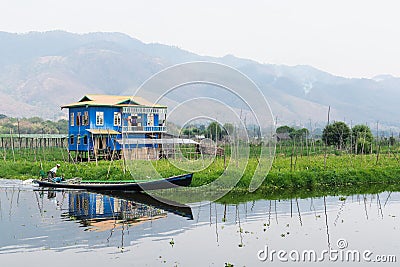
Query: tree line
(213,130)
(358,138)
(34,125)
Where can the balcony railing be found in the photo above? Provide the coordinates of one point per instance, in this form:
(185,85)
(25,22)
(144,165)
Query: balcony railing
(143,129)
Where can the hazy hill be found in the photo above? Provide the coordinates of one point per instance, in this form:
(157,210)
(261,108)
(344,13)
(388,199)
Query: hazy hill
(39,72)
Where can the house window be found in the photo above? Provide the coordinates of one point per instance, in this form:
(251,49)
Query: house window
(71,139)
(72,119)
(78,119)
(85,139)
(86,118)
(117,118)
(78,139)
(99,118)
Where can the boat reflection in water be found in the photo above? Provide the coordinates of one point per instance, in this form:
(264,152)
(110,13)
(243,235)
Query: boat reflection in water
(100,212)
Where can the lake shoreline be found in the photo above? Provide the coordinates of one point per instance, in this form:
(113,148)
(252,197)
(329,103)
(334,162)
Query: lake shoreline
(309,173)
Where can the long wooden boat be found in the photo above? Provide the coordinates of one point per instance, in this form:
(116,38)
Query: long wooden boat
(171,182)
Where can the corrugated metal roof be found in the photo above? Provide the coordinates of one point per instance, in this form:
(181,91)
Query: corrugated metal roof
(111,100)
(102,131)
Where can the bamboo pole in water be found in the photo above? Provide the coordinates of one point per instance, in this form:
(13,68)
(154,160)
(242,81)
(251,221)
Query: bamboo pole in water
(299,213)
(326,224)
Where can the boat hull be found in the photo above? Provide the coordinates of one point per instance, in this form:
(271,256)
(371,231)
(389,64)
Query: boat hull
(171,182)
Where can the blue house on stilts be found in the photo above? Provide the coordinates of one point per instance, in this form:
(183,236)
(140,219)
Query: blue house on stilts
(99,123)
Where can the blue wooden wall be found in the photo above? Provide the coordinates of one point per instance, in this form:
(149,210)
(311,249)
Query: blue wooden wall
(108,125)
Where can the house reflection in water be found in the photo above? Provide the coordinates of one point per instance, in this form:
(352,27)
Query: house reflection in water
(102,212)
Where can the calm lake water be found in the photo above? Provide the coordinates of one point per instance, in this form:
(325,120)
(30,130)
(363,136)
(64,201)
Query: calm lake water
(67,228)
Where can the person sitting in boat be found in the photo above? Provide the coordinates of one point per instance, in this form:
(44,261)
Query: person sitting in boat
(52,173)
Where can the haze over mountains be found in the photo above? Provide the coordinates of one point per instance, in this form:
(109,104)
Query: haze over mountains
(39,72)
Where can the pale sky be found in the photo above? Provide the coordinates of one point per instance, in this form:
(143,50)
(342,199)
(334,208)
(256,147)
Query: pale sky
(351,38)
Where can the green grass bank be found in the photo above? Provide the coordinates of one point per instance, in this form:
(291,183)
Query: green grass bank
(287,173)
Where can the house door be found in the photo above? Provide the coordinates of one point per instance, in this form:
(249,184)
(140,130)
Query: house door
(100,143)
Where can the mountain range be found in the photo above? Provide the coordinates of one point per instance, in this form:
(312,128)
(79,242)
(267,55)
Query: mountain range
(41,71)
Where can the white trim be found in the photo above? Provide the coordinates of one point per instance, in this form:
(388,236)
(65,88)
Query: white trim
(117,118)
(133,110)
(99,118)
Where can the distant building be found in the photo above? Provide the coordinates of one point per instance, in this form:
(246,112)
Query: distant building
(96,124)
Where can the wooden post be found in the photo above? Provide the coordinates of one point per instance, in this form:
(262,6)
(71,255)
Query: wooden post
(291,158)
(19,134)
(12,144)
(137,150)
(224,162)
(123,160)
(4,149)
(42,145)
(112,160)
(88,150)
(62,152)
(325,143)
(34,149)
(379,143)
(94,149)
(77,138)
